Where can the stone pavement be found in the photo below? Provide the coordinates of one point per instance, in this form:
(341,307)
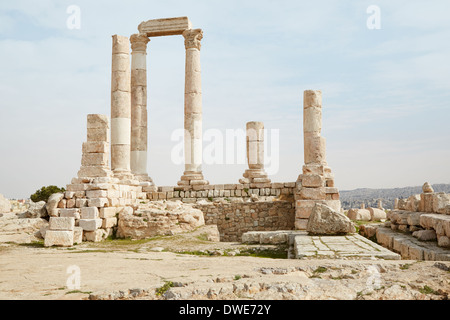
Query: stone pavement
(303,246)
(348,246)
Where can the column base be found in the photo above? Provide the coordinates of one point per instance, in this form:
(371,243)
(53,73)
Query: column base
(254,176)
(124,175)
(191,178)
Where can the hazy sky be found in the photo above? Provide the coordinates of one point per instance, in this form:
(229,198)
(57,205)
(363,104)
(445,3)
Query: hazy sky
(386,92)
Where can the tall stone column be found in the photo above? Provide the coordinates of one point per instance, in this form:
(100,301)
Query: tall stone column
(255,174)
(139,132)
(193,111)
(316,183)
(120,108)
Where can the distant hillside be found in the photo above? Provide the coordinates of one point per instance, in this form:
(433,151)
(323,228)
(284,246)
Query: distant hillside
(354,198)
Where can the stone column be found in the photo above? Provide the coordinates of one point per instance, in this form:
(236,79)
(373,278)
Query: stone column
(193,111)
(255,174)
(139,131)
(316,183)
(120,108)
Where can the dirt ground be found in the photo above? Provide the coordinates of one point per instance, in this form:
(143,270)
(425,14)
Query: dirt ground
(206,270)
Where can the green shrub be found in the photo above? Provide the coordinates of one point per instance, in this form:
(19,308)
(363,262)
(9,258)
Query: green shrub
(45,192)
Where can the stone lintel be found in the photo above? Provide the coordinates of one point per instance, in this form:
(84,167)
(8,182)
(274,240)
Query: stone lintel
(165,27)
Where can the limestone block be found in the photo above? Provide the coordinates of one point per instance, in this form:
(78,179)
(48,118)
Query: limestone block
(121,81)
(312,193)
(416,252)
(427,188)
(77,235)
(426,200)
(95,147)
(324,220)
(312,180)
(413,203)
(164,27)
(94,171)
(413,219)
(98,202)
(444,241)
(90,224)
(301,224)
(89,213)
(377,214)
(313,168)
(94,159)
(312,99)
(58,238)
(314,149)
(359,214)
(120,157)
(120,62)
(401,204)
(62,203)
(70,213)
(120,104)
(93,236)
(312,120)
(425,235)
(80,203)
(97,134)
(97,121)
(52,204)
(109,222)
(251,237)
(96,194)
(440,201)
(61,223)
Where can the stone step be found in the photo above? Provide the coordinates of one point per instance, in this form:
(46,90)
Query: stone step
(409,247)
(302,245)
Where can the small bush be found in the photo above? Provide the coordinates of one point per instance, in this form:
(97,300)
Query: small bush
(45,192)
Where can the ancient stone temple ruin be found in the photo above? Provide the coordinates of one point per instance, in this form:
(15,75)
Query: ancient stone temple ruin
(113,180)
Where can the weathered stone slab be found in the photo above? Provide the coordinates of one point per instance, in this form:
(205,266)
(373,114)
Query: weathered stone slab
(61,223)
(164,27)
(58,238)
(90,224)
(89,213)
(324,220)
(108,212)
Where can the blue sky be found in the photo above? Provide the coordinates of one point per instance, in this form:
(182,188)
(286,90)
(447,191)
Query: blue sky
(386,97)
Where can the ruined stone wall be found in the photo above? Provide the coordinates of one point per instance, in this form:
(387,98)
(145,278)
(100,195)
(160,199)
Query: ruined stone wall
(235,218)
(192,194)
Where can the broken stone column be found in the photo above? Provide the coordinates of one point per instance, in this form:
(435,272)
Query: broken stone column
(95,151)
(193,111)
(120,108)
(139,132)
(316,183)
(255,175)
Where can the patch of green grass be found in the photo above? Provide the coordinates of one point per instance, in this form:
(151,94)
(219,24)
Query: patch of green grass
(167,285)
(405,266)
(78,291)
(203,237)
(320,270)
(34,244)
(237,277)
(92,251)
(195,253)
(277,253)
(427,290)
(246,190)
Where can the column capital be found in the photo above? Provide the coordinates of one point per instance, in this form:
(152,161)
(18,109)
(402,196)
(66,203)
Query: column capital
(139,42)
(192,38)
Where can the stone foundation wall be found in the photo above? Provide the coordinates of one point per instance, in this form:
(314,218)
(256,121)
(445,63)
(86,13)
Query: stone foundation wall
(194,193)
(234,218)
